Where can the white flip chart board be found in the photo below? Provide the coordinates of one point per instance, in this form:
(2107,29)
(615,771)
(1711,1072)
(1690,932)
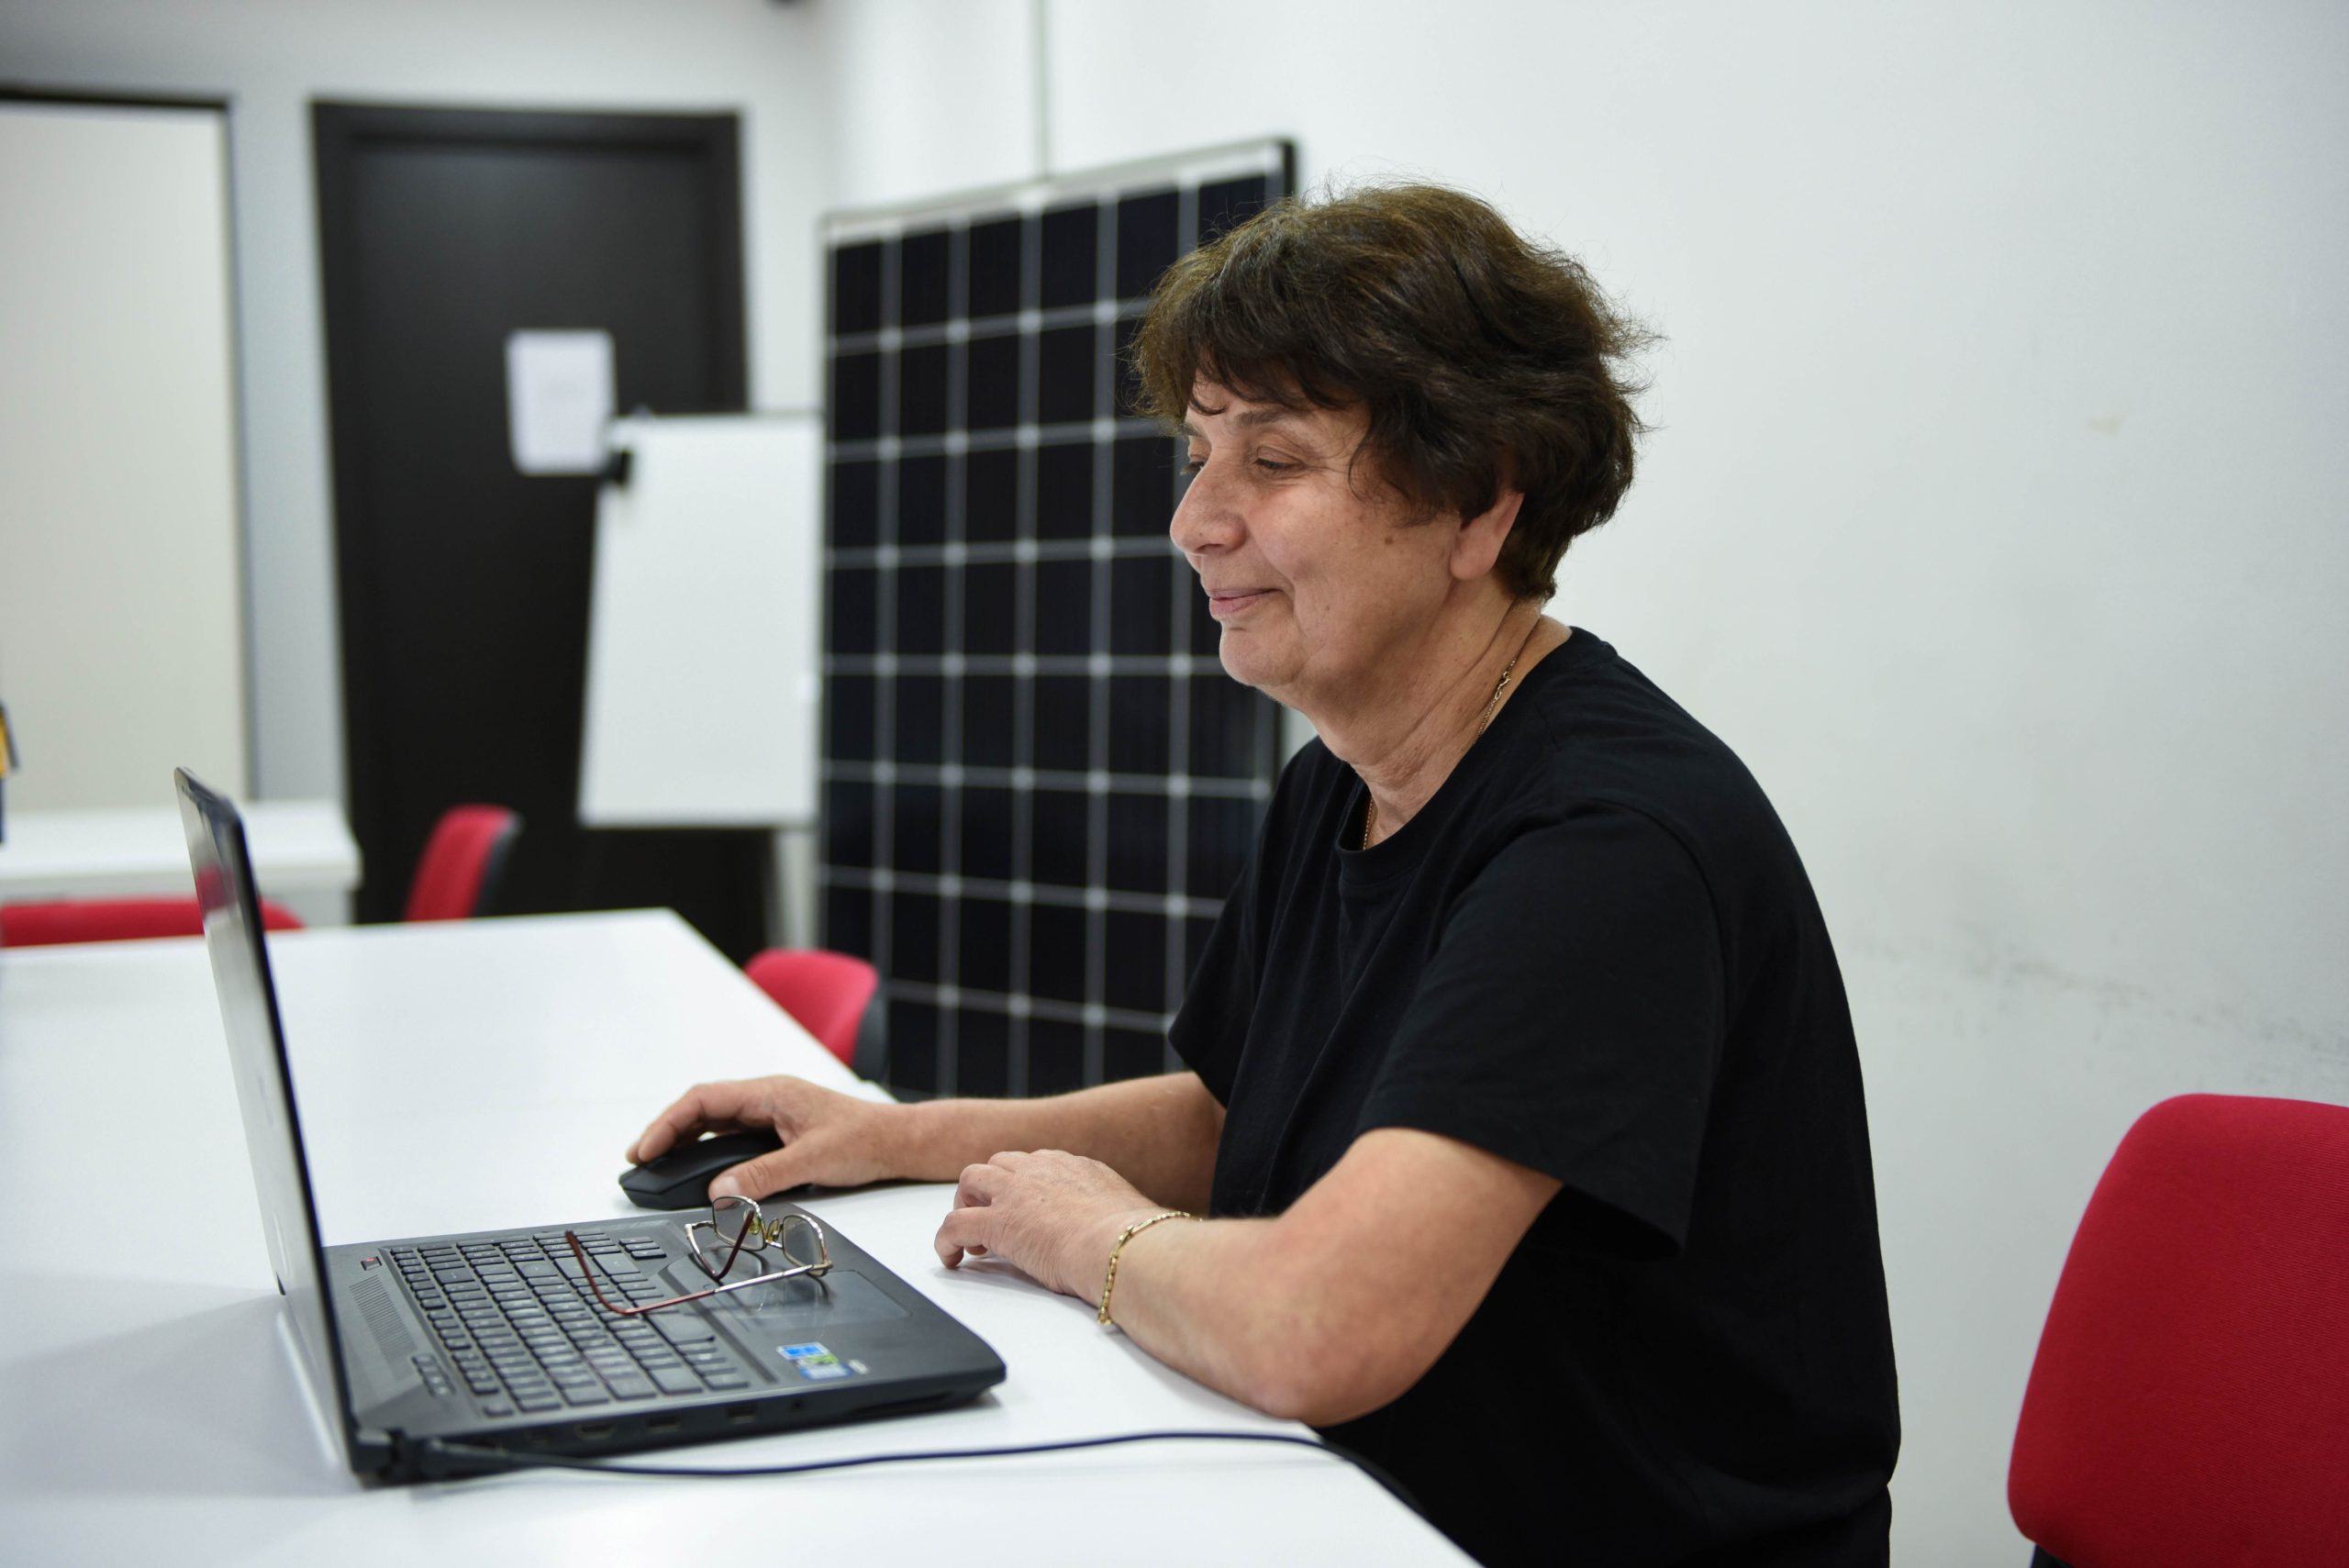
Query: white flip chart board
(703,643)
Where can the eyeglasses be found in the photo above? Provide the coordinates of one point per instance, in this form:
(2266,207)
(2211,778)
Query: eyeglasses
(735,1232)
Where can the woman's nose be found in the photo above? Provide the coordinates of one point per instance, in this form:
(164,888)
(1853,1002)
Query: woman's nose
(1204,519)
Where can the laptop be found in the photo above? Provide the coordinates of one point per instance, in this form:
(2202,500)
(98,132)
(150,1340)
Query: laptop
(438,1355)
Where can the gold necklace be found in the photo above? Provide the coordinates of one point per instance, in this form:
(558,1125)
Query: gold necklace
(1492,706)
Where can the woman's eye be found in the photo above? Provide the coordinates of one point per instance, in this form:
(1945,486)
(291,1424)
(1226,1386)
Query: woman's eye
(1274,465)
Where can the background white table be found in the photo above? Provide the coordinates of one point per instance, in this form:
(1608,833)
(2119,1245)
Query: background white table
(303,852)
(483,1074)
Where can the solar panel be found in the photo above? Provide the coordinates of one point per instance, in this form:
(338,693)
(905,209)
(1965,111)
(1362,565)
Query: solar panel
(1038,783)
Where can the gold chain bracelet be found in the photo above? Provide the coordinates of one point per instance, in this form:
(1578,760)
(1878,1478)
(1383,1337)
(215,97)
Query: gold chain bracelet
(1109,1280)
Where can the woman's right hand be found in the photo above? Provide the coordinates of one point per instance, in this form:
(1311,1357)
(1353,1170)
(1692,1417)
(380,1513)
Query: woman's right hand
(831,1140)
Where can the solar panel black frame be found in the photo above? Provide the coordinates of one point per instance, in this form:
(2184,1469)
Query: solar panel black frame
(1038,783)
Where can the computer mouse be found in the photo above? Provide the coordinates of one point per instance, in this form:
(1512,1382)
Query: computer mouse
(681,1178)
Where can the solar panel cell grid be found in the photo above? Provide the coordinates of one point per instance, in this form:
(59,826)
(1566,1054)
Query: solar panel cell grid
(1039,784)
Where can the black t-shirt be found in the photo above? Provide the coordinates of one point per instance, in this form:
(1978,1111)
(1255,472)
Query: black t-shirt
(1594,953)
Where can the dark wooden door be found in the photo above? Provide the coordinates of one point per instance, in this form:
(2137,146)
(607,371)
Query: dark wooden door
(464,584)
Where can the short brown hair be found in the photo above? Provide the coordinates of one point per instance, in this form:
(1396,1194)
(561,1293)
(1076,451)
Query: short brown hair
(1484,360)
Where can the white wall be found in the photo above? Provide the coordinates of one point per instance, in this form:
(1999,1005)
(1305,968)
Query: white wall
(938,97)
(271,57)
(1995,515)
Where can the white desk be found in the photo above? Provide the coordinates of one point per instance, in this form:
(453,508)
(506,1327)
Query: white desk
(299,846)
(150,1404)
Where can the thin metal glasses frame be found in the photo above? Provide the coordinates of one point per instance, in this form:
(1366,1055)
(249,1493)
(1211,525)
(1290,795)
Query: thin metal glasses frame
(756,1234)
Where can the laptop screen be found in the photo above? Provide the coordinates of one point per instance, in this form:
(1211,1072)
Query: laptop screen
(233,936)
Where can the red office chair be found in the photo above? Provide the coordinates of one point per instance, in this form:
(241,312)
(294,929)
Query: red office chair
(50,922)
(827,992)
(464,863)
(2189,1405)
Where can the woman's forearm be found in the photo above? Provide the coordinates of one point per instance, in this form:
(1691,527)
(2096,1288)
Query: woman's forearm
(1159,1133)
(1342,1303)
(1215,1302)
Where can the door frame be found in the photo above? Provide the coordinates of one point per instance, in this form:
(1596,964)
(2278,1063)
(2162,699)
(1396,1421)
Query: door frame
(340,132)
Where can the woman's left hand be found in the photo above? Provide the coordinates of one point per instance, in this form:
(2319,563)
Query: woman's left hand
(1053,1215)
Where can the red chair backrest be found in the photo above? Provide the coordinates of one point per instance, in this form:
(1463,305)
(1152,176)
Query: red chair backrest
(2189,1405)
(827,992)
(48,922)
(457,875)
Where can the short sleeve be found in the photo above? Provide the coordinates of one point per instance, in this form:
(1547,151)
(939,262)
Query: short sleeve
(1571,1020)
(1212,1023)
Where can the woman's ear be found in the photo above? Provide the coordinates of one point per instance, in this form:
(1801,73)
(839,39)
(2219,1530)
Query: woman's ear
(1478,544)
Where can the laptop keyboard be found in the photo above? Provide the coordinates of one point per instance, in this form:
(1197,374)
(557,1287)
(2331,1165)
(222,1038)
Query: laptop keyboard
(522,1333)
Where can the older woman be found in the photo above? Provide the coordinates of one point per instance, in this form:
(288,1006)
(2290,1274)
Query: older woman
(1523,1147)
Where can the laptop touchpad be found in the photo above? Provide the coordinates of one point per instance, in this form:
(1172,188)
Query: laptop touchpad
(793,1306)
